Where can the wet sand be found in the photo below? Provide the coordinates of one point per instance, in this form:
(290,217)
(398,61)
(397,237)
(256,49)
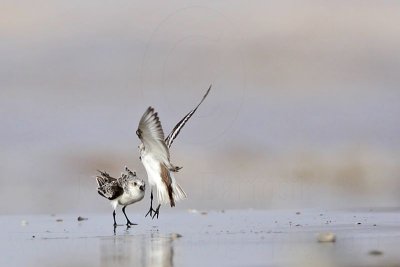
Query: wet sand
(211,238)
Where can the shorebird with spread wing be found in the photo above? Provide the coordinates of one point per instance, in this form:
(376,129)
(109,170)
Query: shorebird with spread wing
(155,156)
(123,191)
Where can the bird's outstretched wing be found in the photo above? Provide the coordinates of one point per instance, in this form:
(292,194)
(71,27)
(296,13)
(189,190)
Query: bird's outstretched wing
(104,178)
(174,133)
(151,134)
(111,190)
(108,186)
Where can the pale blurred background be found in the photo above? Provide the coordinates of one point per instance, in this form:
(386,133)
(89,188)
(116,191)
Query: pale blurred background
(304,111)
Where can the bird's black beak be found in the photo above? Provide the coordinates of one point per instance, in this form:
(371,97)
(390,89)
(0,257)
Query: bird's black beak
(142,187)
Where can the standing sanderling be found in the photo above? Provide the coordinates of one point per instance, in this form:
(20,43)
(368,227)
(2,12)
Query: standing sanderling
(123,191)
(155,156)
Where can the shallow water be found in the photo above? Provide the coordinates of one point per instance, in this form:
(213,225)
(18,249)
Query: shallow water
(213,238)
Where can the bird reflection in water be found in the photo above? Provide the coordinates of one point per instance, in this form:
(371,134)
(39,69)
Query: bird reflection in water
(151,249)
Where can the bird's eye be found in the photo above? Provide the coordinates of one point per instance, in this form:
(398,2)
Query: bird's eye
(134,184)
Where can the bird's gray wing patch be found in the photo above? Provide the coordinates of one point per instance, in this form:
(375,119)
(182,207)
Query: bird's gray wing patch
(110,190)
(108,186)
(151,134)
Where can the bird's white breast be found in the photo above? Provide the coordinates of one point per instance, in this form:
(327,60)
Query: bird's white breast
(152,167)
(128,198)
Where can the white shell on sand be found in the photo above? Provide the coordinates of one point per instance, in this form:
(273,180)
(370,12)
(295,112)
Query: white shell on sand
(326,237)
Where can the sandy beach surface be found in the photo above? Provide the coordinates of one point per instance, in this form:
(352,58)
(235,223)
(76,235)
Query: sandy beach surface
(362,237)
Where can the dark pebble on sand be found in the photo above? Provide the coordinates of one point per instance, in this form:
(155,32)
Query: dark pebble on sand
(375,252)
(82,219)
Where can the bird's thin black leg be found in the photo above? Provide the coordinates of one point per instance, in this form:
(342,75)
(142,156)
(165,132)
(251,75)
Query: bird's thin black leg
(128,222)
(115,223)
(157,211)
(151,210)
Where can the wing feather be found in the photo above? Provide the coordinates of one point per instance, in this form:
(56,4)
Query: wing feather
(108,186)
(174,133)
(151,134)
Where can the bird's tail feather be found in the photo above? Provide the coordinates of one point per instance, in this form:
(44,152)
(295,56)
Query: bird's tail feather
(178,192)
(170,194)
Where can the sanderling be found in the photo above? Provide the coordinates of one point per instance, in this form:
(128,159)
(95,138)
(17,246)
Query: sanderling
(155,156)
(123,191)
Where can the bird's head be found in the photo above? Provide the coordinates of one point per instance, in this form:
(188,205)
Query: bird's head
(137,185)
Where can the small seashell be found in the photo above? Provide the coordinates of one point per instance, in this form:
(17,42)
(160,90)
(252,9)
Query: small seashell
(192,211)
(326,237)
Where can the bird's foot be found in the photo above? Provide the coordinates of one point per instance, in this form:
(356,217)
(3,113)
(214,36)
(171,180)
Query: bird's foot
(156,212)
(116,225)
(129,224)
(150,212)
